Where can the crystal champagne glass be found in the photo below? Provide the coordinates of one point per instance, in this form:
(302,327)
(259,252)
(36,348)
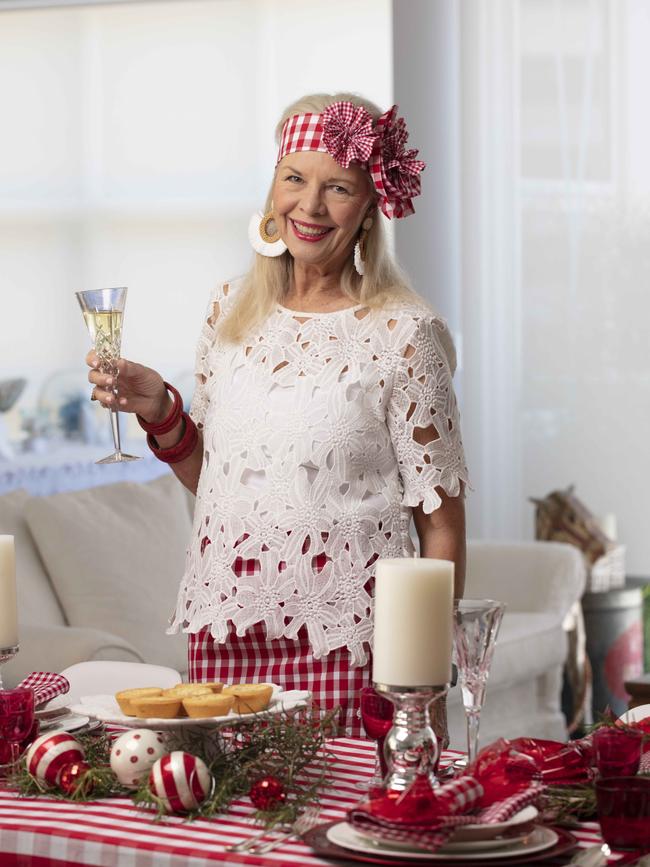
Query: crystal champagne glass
(476,625)
(103,312)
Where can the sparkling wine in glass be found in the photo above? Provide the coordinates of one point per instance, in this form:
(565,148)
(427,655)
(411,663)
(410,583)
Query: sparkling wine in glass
(103,312)
(476,625)
(376,712)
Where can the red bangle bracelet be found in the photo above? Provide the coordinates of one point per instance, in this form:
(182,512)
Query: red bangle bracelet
(172,419)
(183,448)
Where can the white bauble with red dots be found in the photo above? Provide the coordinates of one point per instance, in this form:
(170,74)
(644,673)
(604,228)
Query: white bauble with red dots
(49,754)
(133,754)
(182,781)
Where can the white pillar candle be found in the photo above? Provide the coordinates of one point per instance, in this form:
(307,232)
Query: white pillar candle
(8,608)
(414,603)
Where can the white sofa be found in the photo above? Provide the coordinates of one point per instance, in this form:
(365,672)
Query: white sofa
(98,571)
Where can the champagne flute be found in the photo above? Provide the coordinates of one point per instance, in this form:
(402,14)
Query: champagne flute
(103,311)
(476,625)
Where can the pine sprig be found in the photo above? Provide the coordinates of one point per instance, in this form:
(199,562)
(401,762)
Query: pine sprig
(568,805)
(290,746)
(98,782)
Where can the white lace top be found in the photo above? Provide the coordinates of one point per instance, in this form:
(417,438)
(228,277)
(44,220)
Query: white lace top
(312,449)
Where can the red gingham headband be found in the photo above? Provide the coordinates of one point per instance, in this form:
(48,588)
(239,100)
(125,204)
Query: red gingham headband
(347,132)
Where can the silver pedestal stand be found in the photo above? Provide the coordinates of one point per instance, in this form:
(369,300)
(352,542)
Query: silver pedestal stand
(411,746)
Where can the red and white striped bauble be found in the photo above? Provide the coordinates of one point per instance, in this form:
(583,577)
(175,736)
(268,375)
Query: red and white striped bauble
(49,754)
(182,781)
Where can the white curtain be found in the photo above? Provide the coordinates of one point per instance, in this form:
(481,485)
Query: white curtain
(555,248)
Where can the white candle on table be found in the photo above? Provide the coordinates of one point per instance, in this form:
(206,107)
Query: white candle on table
(8,609)
(414,603)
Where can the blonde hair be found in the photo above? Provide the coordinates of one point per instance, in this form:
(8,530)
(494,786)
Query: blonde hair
(269,278)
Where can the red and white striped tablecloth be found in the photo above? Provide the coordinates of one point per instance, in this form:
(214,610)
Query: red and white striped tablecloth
(43,832)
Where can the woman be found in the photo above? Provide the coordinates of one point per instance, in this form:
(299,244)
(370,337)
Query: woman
(323,420)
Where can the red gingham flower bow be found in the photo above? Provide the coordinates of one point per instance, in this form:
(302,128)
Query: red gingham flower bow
(348,133)
(394,170)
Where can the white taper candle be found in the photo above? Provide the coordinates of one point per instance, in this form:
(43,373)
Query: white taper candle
(8,608)
(414,603)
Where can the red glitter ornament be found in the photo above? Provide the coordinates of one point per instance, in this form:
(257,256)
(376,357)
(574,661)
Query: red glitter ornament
(70,777)
(267,793)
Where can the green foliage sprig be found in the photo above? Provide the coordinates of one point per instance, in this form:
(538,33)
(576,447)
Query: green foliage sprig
(290,746)
(98,782)
(569,805)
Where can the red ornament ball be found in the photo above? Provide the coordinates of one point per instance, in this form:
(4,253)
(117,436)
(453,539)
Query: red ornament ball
(267,793)
(182,781)
(49,753)
(70,776)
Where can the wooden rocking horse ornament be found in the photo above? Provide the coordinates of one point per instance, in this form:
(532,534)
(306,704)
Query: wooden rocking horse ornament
(562,517)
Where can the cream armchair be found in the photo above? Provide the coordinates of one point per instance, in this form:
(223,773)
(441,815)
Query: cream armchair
(539,582)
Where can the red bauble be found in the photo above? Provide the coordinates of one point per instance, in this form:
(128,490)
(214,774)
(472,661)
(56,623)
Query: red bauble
(182,781)
(267,793)
(70,776)
(49,753)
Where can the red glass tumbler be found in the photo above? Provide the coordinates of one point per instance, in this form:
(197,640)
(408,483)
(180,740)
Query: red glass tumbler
(16,722)
(624,811)
(617,751)
(377,720)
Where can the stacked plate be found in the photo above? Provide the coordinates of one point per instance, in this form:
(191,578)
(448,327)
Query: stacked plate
(56,716)
(518,841)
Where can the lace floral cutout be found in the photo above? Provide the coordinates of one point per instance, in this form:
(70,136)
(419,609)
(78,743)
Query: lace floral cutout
(321,432)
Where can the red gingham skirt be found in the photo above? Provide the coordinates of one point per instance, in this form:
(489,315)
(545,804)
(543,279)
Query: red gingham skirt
(253,658)
(291,664)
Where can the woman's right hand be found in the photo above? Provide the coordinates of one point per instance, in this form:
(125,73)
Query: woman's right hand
(139,389)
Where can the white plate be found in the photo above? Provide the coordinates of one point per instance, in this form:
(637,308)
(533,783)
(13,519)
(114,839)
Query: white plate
(483,845)
(47,715)
(346,836)
(69,723)
(58,704)
(106,709)
(636,714)
(476,833)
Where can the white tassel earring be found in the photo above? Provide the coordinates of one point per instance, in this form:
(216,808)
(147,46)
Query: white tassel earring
(360,247)
(264,236)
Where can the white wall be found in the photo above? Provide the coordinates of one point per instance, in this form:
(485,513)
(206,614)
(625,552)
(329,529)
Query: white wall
(136,141)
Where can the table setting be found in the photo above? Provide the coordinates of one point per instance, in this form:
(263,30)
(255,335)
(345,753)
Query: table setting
(89,784)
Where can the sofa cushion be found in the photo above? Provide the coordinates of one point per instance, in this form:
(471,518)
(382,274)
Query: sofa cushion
(115,555)
(37,602)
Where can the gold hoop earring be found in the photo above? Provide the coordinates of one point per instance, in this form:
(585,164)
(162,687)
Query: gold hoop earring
(263,239)
(269,236)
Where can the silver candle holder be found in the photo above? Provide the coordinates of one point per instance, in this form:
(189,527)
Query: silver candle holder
(7,653)
(411,747)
